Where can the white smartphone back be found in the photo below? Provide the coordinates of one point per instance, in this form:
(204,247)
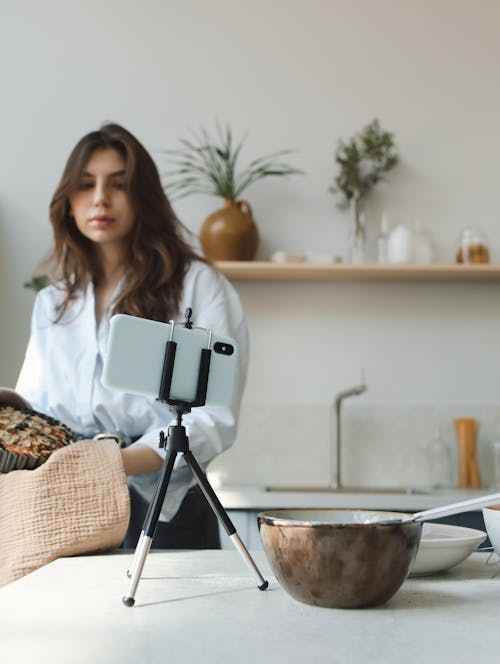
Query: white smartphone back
(136,352)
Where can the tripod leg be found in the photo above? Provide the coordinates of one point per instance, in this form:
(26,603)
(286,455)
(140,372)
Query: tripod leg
(149,528)
(221,513)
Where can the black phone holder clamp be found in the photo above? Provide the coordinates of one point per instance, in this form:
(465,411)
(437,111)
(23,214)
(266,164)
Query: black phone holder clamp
(168,371)
(177,442)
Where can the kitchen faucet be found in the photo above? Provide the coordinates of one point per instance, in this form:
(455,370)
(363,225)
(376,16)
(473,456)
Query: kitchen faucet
(351,392)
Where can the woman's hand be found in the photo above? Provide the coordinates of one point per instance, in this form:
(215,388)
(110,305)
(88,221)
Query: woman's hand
(139,459)
(13,398)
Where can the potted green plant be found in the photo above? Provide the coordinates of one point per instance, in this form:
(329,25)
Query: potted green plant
(208,165)
(362,161)
(37,282)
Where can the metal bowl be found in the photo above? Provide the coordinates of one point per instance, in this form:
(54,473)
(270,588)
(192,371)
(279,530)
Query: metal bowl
(335,559)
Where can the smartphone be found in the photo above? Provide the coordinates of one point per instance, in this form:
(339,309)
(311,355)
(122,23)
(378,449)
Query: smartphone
(136,351)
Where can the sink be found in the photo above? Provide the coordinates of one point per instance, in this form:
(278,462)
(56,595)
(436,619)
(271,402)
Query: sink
(358,489)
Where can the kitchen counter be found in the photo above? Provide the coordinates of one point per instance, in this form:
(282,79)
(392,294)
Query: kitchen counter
(258,498)
(243,503)
(203,606)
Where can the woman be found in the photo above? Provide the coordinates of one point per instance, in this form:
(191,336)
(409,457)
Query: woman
(118,247)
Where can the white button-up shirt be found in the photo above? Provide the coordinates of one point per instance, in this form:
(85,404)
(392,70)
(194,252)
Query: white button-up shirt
(61,377)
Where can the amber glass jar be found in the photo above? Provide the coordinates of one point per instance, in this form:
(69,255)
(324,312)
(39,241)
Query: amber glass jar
(472,247)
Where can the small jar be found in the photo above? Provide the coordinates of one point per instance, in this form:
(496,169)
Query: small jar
(400,245)
(472,247)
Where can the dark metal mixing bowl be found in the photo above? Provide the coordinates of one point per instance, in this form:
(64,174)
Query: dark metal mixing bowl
(333,558)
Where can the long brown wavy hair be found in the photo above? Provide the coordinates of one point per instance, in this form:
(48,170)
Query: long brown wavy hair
(158,255)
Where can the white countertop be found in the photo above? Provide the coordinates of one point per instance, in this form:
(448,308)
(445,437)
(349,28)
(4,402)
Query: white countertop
(203,606)
(258,498)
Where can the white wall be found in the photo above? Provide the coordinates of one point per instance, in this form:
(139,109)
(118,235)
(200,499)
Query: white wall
(296,74)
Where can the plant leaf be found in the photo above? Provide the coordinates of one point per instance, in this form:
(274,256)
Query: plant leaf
(203,164)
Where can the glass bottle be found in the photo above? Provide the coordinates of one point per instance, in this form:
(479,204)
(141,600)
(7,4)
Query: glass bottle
(382,239)
(440,461)
(422,245)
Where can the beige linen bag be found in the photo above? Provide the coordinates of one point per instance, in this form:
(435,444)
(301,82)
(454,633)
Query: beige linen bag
(76,502)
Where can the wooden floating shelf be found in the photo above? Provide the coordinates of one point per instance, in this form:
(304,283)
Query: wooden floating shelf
(438,272)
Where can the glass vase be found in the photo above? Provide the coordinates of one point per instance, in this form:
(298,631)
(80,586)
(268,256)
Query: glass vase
(356,251)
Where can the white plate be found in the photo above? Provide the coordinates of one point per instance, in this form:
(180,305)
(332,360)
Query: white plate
(443,546)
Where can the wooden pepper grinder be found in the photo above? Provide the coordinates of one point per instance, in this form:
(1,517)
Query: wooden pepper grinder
(468,472)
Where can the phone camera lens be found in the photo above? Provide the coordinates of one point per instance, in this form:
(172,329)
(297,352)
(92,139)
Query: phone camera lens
(223,349)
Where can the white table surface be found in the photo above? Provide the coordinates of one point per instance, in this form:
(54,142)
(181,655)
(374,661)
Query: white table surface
(204,606)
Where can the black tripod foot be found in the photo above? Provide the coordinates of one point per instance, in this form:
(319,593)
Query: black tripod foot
(128,601)
(264,586)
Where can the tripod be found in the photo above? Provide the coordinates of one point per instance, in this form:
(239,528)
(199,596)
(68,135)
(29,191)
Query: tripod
(177,442)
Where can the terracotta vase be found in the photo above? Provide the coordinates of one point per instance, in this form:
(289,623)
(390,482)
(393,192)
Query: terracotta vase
(230,234)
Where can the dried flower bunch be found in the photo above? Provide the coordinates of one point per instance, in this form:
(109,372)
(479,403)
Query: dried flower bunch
(207,165)
(362,160)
